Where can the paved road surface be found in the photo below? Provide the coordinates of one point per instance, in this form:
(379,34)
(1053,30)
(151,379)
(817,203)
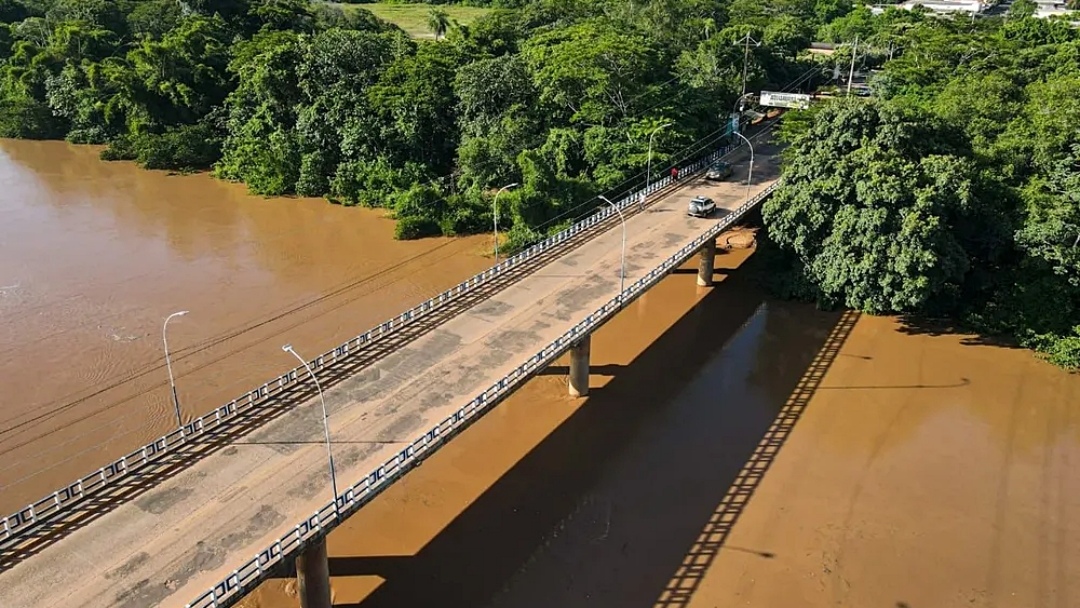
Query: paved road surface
(177,540)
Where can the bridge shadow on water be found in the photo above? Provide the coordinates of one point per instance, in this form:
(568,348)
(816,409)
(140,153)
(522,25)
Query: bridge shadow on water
(628,502)
(54,528)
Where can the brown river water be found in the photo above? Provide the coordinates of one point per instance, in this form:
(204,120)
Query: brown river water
(906,468)
(95,255)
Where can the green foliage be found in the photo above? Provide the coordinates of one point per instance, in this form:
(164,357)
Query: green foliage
(593,72)
(326,16)
(871,206)
(562,97)
(373,184)
(1063,351)
(415,101)
(154,18)
(438,22)
(958,193)
(13,11)
(1051,231)
(24,118)
(415,227)
(1020,9)
(796,123)
(183,148)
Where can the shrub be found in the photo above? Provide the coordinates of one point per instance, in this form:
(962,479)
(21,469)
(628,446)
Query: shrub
(184,148)
(28,119)
(413,227)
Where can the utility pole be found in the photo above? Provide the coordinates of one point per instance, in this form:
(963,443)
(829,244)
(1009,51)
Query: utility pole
(746,58)
(851,74)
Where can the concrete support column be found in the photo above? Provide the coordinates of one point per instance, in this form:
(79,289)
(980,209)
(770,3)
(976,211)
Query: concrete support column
(706,262)
(313,576)
(579,367)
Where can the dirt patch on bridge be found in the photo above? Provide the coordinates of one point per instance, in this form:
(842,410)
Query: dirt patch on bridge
(742,237)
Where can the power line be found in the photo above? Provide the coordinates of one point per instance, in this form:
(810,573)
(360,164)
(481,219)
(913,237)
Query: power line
(12,464)
(206,344)
(191,350)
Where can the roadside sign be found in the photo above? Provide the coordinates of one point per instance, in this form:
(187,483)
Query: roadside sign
(797,101)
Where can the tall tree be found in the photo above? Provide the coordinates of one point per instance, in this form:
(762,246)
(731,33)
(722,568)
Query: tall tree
(871,208)
(438,22)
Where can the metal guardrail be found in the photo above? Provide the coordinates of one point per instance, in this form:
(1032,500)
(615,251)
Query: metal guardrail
(334,512)
(17,524)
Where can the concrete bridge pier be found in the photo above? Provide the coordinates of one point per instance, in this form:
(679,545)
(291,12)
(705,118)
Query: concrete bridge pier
(313,576)
(706,263)
(579,367)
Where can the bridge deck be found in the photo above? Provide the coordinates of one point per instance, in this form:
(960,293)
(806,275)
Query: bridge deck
(177,540)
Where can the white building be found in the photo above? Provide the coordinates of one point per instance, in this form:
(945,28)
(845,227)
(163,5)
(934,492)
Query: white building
(1051,8)
(941,7)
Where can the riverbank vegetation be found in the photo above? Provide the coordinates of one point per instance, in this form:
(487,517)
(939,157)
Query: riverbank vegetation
(952,193)
(291,97)
(955,193)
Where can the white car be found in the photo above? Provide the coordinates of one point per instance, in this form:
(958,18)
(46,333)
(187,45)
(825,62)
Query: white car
(701,206)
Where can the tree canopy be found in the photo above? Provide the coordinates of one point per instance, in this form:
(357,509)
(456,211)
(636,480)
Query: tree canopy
(955,193)
(313,99)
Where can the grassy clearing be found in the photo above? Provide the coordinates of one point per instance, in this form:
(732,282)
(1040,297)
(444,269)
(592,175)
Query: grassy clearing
(413,17)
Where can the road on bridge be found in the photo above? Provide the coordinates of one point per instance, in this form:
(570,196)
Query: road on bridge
(185,534)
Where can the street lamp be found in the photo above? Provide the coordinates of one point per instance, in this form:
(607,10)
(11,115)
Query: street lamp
(736,112)
(736,108)
(622,271)
(851,73)
(750,173)
(326,423)
(648,171)
(168,364)
(496,206)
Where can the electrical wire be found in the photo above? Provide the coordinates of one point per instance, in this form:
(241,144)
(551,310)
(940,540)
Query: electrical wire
(188,351)
(701,143)
(191,350)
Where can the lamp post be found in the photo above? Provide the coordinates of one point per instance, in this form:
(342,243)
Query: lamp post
(750,173)
(737,107)
(496,207)
(648,170)
(326,423)
(736,112)
(168,364)
(851,73)
(622,269)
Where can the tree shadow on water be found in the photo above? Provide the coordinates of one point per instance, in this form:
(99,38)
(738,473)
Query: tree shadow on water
(914,325)
(624,493)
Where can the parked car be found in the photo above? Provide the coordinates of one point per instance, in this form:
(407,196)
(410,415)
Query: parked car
(701,206)
(718,171)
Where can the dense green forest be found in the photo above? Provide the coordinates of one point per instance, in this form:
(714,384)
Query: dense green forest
(292,97)
(955,192)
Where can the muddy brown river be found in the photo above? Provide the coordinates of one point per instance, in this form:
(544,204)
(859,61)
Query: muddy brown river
(95,255)
(734,451)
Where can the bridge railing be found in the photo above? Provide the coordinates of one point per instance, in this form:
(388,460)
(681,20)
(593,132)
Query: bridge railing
(330,515)
(18,523)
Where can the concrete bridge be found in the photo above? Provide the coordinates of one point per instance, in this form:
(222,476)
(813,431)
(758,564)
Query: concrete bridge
(202,515)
